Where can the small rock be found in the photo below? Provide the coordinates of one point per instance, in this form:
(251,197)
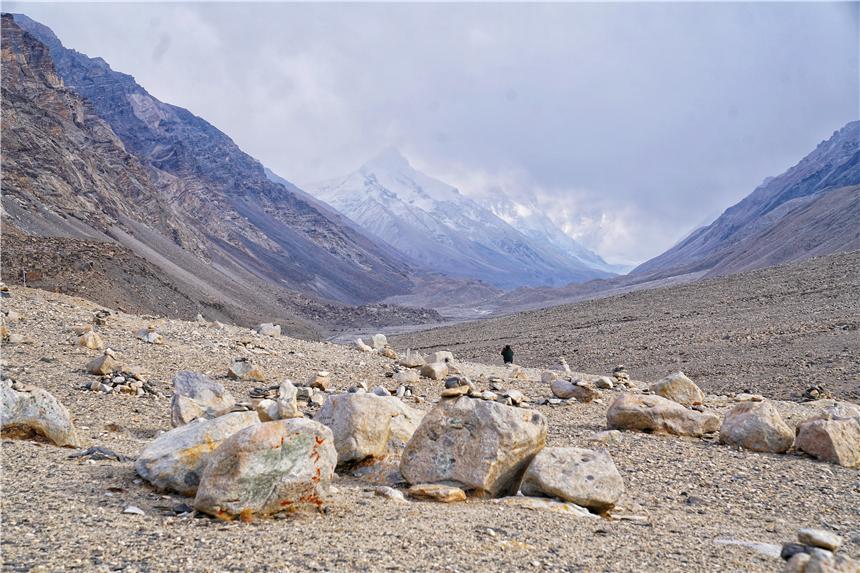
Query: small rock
(435,370)
(269,329)
(604,383)
(104,364)
(381,391)
(361,346)
(437,492)
(406,377)
(379,341)
(454,392)
(133,510)
(91,340)
(441,356)
(411,359)
(389,492)
(321,381)
(243,369)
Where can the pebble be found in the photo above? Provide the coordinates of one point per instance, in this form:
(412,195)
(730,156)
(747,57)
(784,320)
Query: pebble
(133,510)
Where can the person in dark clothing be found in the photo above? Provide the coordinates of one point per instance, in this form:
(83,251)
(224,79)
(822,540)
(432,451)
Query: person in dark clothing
(508,354)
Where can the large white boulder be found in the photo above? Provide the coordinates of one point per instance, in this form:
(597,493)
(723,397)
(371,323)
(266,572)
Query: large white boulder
(175,460)
(585,477)
(365,425)
(195,395)
(29,412)
(655,414)
(756,426)
(484,447)
(285,465)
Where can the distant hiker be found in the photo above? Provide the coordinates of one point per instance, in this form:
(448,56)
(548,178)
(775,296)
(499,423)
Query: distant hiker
(508,354)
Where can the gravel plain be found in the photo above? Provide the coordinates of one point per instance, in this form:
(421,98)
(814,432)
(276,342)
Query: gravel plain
(683,496)
(775,331)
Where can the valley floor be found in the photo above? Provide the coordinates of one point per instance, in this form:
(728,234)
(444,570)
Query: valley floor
(774,331)
(683,496)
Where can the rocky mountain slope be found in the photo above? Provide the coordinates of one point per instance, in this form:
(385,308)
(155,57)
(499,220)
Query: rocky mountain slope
(191,186)
(774,331)
(444,231)
(811,209)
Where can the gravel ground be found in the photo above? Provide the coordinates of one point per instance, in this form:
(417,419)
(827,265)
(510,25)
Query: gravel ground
(59,514)
(775,331)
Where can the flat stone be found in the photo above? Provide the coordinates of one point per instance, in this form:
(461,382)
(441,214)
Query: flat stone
(819,538)
(655,414)
(437,492)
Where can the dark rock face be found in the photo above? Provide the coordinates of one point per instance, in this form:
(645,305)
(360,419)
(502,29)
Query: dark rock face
(809,210)
(175,173)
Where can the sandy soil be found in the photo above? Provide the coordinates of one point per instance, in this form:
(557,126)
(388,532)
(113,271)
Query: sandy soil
(59,514)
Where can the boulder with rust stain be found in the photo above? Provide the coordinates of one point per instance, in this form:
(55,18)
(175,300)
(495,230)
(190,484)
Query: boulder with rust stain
(284,465)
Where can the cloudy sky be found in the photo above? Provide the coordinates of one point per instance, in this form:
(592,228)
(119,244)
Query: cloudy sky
(631,123)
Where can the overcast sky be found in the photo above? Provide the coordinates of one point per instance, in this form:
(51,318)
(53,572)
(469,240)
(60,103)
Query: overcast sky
(632,123)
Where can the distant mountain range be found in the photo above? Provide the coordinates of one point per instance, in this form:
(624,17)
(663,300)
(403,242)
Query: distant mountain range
(444,231)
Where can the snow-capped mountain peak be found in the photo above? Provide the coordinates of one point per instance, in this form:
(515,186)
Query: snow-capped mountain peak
(446,231)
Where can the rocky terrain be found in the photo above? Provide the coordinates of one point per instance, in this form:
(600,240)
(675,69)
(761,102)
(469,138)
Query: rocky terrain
(773,331)
(687,503)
